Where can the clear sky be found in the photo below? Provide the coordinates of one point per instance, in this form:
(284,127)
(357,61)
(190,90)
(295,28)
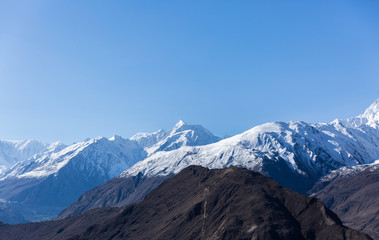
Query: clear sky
(76,69)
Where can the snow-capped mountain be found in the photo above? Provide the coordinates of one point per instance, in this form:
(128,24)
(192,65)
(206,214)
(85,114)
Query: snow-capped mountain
(42,187)
(147,140)
(44,184)
(296,154)
(56,156)
(180,135)
(12,152)
(288,152)
(102,156)
(369,118)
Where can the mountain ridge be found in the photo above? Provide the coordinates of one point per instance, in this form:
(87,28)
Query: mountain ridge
(296,154)
(66,173)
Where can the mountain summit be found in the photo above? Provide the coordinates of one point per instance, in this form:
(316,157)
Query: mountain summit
(182,134)
(13,152)
(369,118)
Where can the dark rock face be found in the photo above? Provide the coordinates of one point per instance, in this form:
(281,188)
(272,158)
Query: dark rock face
(355,199)
(120,192)
(117,192)
(199,203)
(231,203)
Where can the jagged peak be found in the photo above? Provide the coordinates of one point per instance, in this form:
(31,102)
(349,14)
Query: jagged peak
(145,134)
(369,118)
(115,138)
(179,125)
(372,113)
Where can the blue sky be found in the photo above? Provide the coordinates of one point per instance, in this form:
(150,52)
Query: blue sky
(76,69)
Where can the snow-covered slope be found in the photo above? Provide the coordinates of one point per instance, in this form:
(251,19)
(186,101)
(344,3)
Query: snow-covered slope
(180,135)
(42,187)
(369,118)
(12,152)
(294,149)
(147,140)
(350,171)
(104,156)
(108,156)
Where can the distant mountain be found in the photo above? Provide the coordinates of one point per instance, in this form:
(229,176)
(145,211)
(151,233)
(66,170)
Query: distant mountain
(199,203)
(296,154)
(353,193)
(123,191)
(40,189)
(42,186)
(13,152)
(180,135)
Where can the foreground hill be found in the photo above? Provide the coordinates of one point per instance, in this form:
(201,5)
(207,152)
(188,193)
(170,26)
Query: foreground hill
(353,193)
(198,203)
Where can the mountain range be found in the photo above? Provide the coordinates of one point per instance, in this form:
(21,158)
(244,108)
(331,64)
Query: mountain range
(296,154)
(38,188)
(284,151)
(116,172)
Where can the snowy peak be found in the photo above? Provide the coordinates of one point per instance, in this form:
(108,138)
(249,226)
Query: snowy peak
(372,114)
(179,125)
(115,138)
(181,135)
(369,118)
(147,140)
(298,149)
(107,157)
(13,152)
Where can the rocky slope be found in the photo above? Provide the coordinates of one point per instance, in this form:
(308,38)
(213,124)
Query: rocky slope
(352,193)
(199,203)
(117,192)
